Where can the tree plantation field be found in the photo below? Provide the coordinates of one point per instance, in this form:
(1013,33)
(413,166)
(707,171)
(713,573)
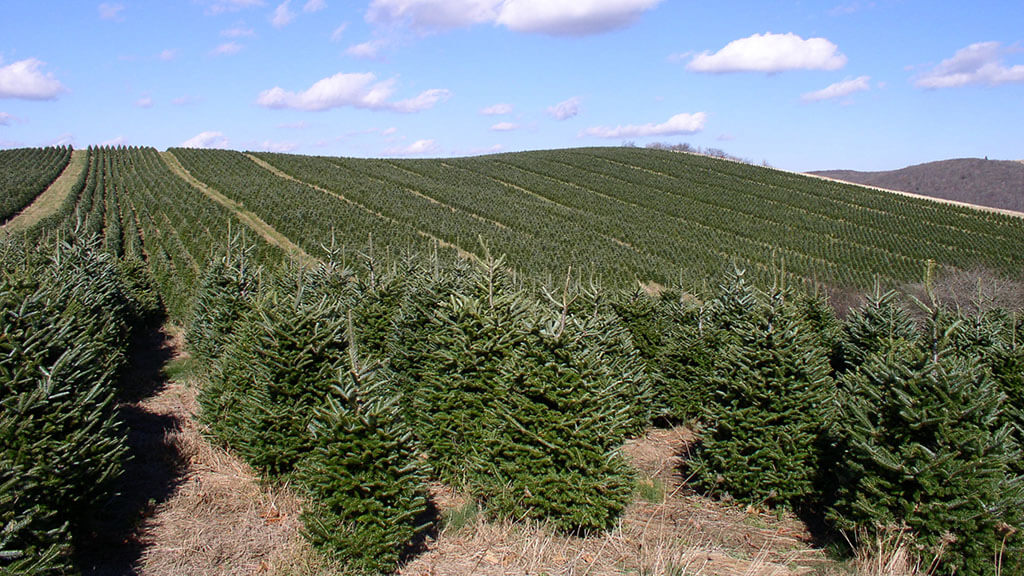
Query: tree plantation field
(415,349)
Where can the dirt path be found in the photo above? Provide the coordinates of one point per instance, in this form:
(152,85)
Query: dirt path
(203,512)
(248,218)
(52,198)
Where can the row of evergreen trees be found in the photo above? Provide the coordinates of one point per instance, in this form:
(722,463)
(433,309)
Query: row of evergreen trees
(67,315)
(362,387)
(898,418)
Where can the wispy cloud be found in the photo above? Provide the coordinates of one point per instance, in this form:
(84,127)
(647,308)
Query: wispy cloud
(167,55)
(206,140)
(5,119)
(554,17)
(565,109)
(505,127)
(980,63)
(770,53)
(239,31)
(497,110)
(215,7)
(350,90)
(282,15)
(417,148)
(25,79)
(839,89)
(678,124)
(339,32)
(314,6)
(227,49)
(111,12)
(368,50)
(144,102)
(185,100)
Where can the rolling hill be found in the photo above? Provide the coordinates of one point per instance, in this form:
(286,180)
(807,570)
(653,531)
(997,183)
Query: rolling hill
(993,183)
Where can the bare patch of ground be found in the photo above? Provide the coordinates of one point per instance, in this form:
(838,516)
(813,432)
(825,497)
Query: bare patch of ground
(675,532)
(193,508)
(52,198)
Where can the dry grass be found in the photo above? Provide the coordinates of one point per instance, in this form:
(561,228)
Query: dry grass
(52,198)
(218,519)
(684,534)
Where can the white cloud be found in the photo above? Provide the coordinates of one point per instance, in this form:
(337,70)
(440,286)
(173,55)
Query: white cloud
(339,32)
(206,140)
(389,131)
(314,6)
(367,50)
(23,79)
(184,100)
(226,49)
(117,141)
(839,89)
(167,55)
(565,109)
(417,148)
(239,31)
(556,17)
(5,119)
(293,125)
(282,147)
(678,124)
(770,53)
(65,139)
(497,110)
(979,63)
(222,6)
(504,126)
(433,14)
(144,102)
(111,12)
(355,90)
(283,16)
(571,17)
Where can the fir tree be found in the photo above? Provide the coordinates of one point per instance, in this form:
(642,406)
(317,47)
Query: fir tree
(364,479)
(768,415)
(923,446)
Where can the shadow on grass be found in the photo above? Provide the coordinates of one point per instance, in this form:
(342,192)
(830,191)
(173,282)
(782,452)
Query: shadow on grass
(114,544)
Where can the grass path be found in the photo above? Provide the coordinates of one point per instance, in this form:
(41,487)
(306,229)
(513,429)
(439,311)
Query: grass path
(52,198)
(248,218)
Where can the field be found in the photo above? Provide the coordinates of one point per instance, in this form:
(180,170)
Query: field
(575,349)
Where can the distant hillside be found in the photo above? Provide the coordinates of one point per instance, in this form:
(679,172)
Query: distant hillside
(993,183)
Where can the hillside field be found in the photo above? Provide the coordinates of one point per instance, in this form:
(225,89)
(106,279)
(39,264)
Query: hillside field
(606,361)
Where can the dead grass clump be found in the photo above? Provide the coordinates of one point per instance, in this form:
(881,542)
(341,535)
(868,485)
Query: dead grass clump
(220,520)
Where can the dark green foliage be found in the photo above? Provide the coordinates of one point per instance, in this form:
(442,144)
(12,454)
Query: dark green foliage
(924,444)
(364,479)
(527,410)
(881,324)
(273,375)
(25,173)
(63,341)
(225,294)
(769,411)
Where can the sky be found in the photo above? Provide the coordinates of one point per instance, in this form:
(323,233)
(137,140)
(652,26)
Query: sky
(800,85)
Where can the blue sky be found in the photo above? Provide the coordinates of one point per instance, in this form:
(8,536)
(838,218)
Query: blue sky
(801,85)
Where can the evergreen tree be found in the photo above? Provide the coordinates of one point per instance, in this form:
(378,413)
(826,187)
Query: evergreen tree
(364,479)
(767,418)
(922,442)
